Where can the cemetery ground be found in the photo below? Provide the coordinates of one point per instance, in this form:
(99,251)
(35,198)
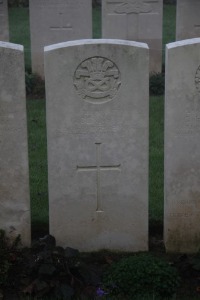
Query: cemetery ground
(92,265)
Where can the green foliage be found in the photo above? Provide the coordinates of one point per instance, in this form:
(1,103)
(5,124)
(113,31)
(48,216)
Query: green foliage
(18,3)
(169,2)
(34,86)
(4,259)
(194,261)
(53,271)
(96,3)
(7,256)
(142,275)
(157,84)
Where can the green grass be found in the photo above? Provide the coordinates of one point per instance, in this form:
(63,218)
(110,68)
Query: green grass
(38,165)
(169,24)
(96,17)
(156,156)
(19,33)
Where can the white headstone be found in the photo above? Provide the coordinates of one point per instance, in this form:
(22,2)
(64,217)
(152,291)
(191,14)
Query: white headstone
(97,128)
(182,147)
(4,31)
(139,20)
(14,183)
(187,19)
(54,21)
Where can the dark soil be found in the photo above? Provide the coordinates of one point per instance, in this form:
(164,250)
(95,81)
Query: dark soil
(94,264)
(190,278)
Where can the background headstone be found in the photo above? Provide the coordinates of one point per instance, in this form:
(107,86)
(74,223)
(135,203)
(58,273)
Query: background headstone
(97,131)
(4,28)
(14,183)
(54,21)
(182,147)
(137,21)
(187,19)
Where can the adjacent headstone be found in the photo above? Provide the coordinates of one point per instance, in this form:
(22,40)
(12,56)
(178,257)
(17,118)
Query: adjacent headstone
(182,147)
(55,21)
(187,19)
(139,20)
(4,28)
(97,129)
(14,183)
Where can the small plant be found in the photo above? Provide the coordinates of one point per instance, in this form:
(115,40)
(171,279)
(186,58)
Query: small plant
(170,2)
(142,275)
(7,256)
(54,271)
(157,84)
(34,85)
(96,3)
(4,259)
(194,261)
(18,3)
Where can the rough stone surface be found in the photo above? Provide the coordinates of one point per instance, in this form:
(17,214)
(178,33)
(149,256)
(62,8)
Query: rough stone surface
(138,21)
(55,21)
(187,19)
(182,147)
(97,128)
(4,28)
(14,183)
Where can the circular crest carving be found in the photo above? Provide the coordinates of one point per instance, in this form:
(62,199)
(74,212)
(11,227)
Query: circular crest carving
(197,79)
(97,79)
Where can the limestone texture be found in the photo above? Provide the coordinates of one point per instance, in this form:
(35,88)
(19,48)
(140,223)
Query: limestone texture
(182,147)
(14,173)
(97,131)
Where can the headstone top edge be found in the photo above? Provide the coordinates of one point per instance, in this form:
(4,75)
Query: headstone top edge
(183,43)
(95,42)
(11,46)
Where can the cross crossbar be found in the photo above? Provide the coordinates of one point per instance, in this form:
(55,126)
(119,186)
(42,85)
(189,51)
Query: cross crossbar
(98,168)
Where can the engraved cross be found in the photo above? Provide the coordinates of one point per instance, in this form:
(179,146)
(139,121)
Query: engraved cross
(98,168)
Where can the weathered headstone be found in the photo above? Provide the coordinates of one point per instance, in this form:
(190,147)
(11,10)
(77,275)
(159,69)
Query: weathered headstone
(4,31)
(55,21)
(136,20)
(182,146)
(14,183)
(97,128)
(187,19)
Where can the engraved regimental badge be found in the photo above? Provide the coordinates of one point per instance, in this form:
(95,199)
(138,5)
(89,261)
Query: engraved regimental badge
(97,80)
